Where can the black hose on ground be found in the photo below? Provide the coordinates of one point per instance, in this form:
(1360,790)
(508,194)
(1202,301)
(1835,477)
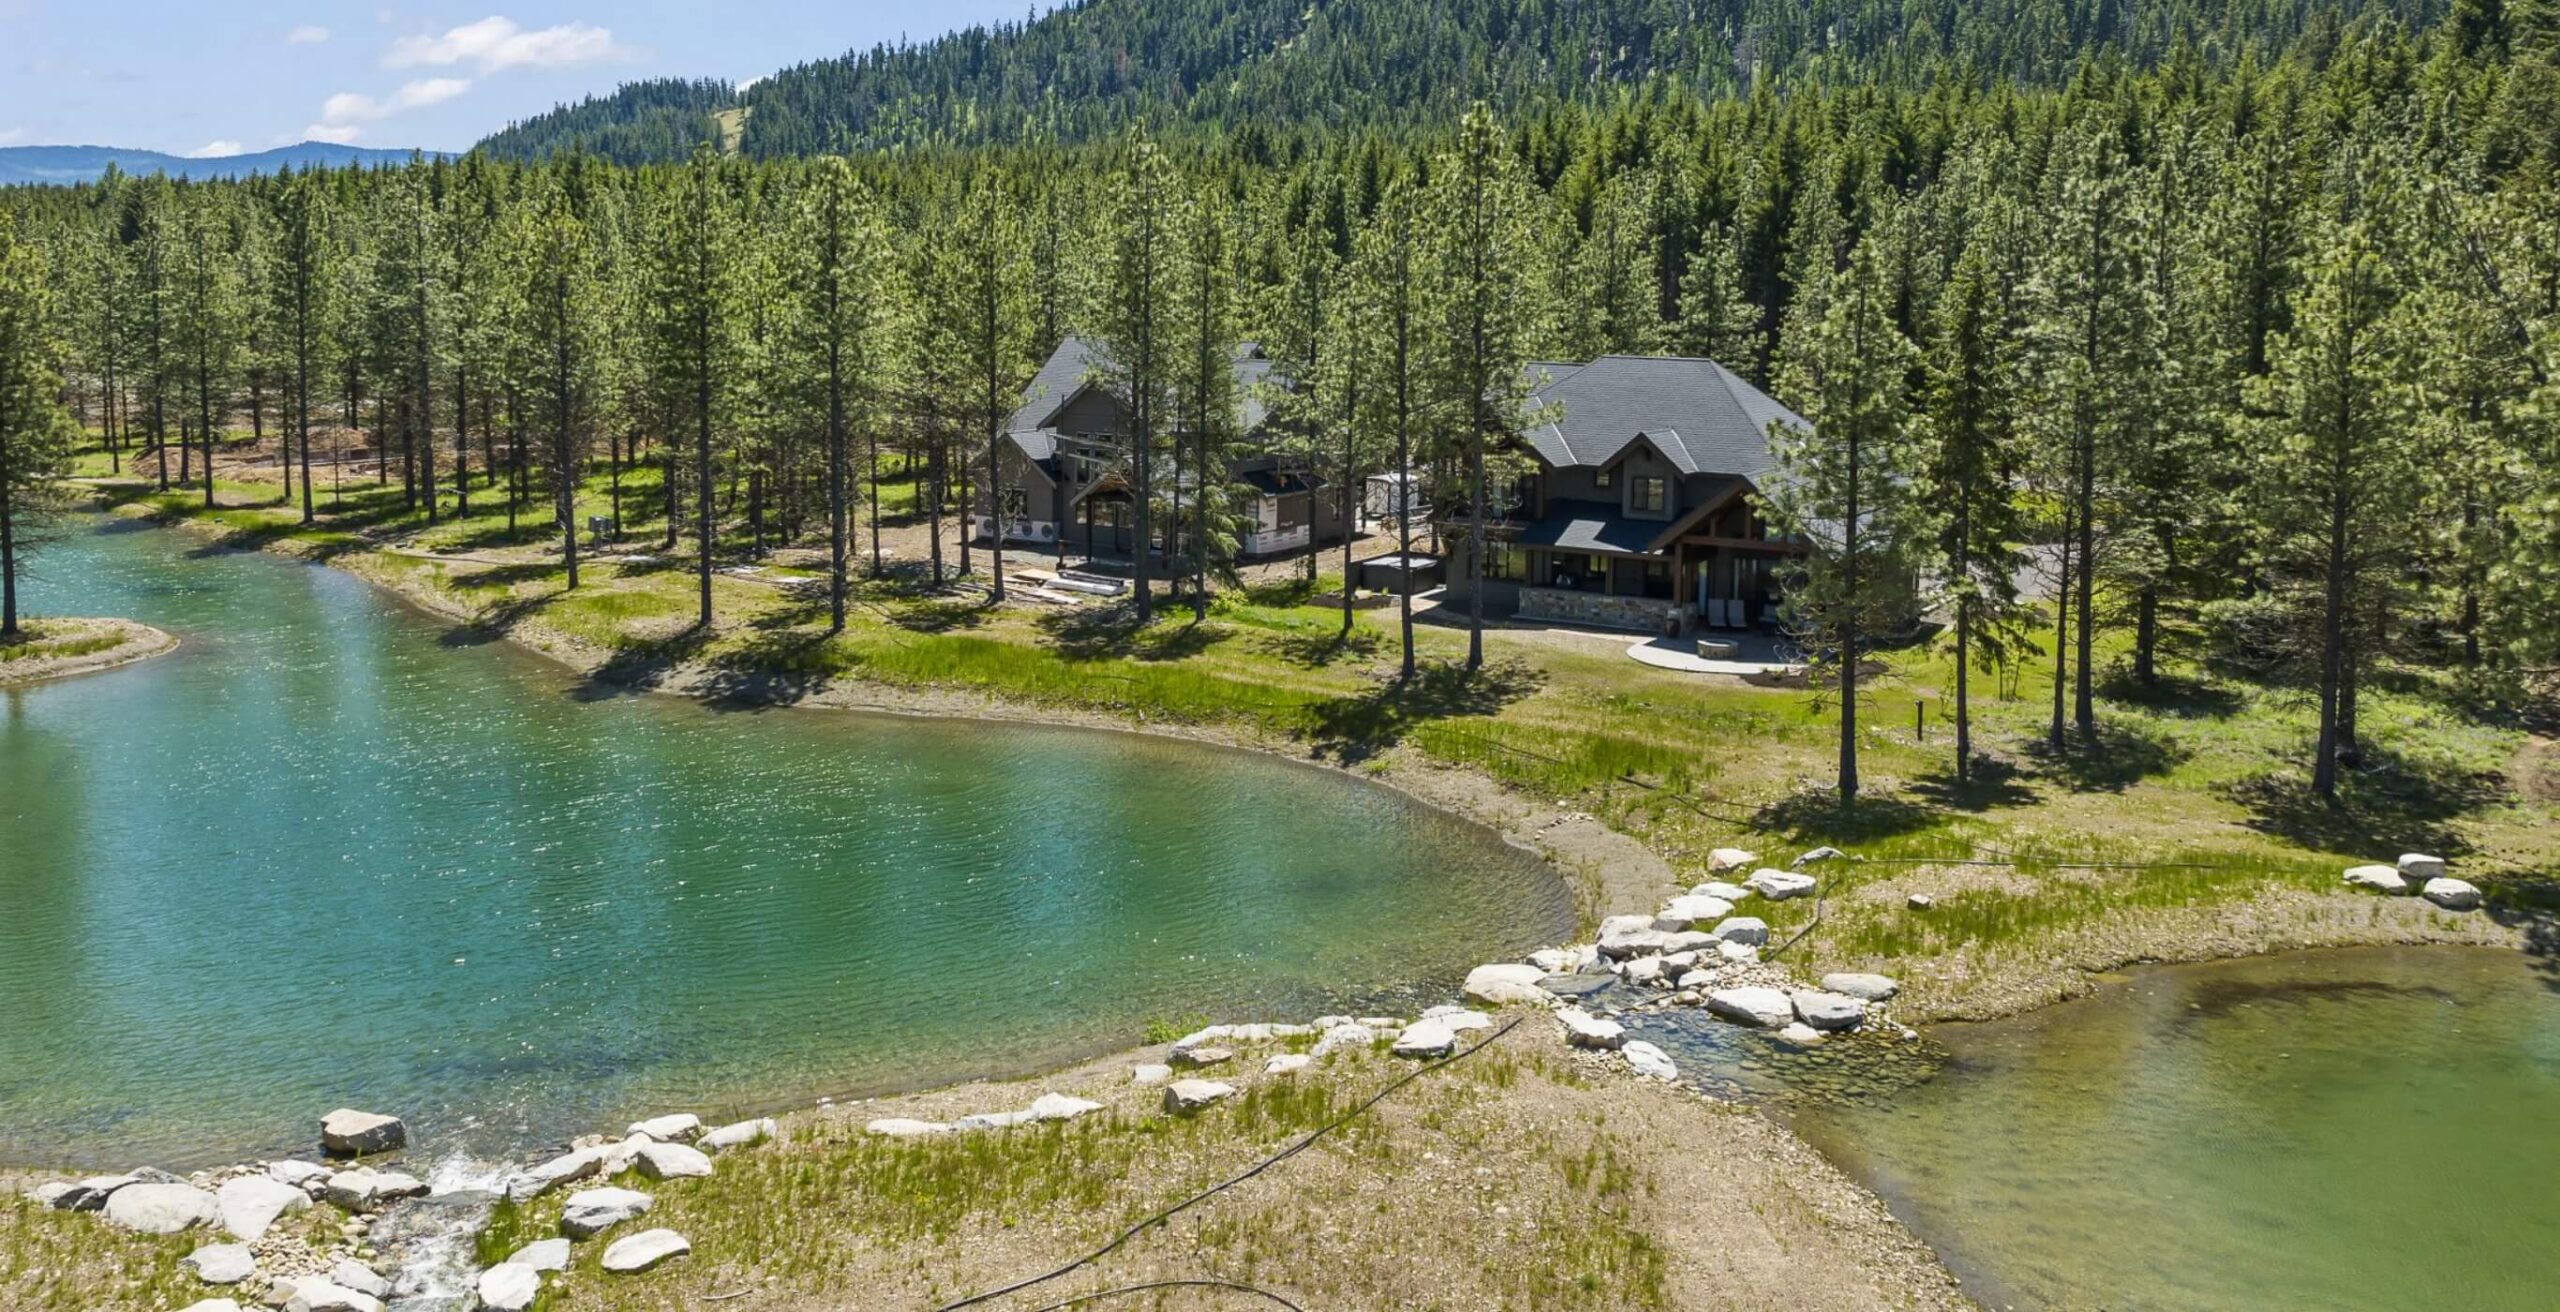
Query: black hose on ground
(1304,1143)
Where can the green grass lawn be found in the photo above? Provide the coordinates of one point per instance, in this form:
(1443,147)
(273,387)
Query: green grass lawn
(2200,783)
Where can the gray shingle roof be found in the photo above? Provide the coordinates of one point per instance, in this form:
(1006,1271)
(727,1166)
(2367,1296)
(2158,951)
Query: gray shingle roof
(1589,526)
(1078,359)
(1705,419)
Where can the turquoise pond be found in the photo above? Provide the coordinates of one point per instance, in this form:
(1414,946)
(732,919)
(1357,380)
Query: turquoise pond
(333,852)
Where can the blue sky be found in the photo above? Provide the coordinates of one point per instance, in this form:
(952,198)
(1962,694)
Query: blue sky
(217,77)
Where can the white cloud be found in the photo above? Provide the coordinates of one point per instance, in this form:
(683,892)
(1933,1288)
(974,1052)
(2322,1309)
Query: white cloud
(211,149)
(496,43)
(355,107)
(309,34)
(742,87)
(336,134)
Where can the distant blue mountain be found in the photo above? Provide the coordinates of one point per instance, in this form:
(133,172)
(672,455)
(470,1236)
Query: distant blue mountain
(64,165)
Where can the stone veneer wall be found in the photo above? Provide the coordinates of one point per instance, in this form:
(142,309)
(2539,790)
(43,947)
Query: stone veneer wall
(1641,614)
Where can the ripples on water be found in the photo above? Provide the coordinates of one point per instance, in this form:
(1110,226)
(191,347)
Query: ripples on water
(316,858)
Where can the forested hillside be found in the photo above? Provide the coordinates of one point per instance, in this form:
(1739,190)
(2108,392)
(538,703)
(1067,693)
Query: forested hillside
(2255,356)
(1265,66)
(662,119)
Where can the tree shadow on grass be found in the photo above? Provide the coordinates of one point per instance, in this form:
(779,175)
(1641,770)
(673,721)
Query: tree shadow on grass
(2122,755)
(771,668)
(1818,816)
(939,614)
(493,622)
(1315,651)
(1995,783)
(2184,697)
(2389,805)
(1094,633)
(640,664)
(1358,726)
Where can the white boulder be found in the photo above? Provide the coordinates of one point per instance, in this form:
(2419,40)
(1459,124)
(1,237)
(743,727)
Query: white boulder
(1563,961)
(1649,1061)
(1150,1073)
(349,1274)
(1827,1011)
(2444,890)
(347,1132)
(1729,858)
(591,1212)
(1620,940)
(1779,885)
(1799,1035)
(222,1264)
(1286,1063)
(1717,888)
(991,1121)
(1742,929)
(1689,909)
(632,1254)
(1764,1007)
(508,1287)
(1353,1035)
(1584,1030)
(1865,988)
(739,1134)
(1183,1096)
(1501,985)
(672,1161)
(363,1188)
(1205,1055)
(541,1178)
(300,1174)
(161,1209)
(1920,901)
(542,1255)
(2420,866)
(902,1127)
(315,1294)
(1738,952)
(2381,879)
(251,1203)
(679,1127)
(1060,1107)
(1435,1037)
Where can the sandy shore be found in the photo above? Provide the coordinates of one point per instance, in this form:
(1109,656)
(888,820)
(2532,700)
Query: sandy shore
(133,642)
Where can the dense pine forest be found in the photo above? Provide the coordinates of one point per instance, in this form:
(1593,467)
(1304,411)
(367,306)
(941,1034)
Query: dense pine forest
(2236,323)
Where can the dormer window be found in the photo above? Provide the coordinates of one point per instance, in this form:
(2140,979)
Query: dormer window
(1604,480)
(1648,494)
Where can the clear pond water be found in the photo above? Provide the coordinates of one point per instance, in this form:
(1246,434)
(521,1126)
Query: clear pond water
(2332,1131)
(330,853)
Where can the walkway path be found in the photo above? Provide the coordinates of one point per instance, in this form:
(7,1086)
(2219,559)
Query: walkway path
(1682,654)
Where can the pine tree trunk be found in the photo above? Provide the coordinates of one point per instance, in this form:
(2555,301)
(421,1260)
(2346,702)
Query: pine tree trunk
(2061,637)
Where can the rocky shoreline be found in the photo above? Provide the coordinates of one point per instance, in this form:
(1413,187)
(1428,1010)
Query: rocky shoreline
(1694,952)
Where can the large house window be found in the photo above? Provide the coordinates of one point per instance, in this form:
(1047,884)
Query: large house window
(1015,502)
(1505,562)
(1650,494)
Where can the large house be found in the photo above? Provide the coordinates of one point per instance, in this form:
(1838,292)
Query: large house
(1643,510)
(1063,481)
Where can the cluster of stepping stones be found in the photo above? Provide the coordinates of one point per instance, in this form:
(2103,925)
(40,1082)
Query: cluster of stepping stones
(2418,873)
(277,1269)
(1695,952)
